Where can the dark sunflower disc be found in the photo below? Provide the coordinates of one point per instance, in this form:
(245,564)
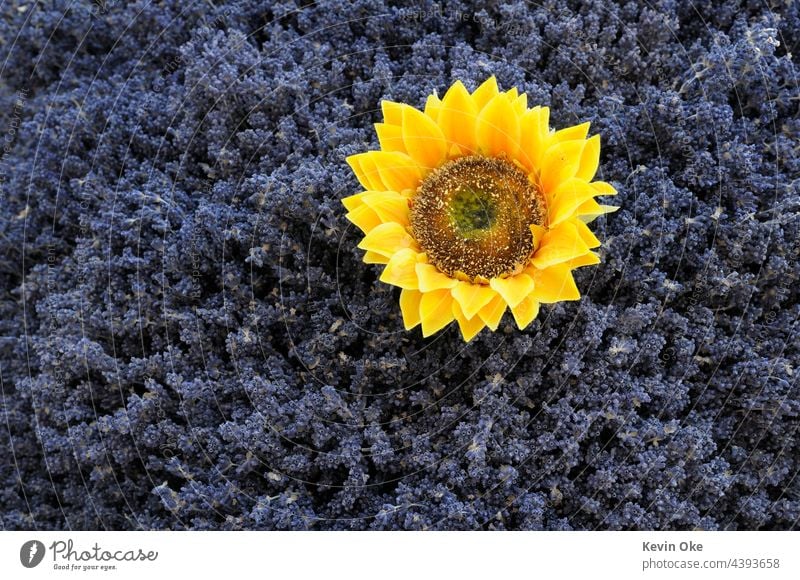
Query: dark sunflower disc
(472,217)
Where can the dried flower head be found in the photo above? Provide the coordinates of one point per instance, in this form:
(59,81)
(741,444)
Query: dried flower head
(476,206)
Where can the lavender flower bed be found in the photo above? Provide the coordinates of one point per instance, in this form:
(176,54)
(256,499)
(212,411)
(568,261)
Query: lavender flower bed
(190,339)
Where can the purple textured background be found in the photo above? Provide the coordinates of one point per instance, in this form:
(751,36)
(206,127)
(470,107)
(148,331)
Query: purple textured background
(189,339)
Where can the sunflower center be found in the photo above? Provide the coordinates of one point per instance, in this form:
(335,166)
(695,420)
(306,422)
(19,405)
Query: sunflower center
(472,217)
(472,211)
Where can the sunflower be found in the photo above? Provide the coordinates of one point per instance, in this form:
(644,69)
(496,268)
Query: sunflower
(475,206)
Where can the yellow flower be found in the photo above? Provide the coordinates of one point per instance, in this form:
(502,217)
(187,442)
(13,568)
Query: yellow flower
(475,205)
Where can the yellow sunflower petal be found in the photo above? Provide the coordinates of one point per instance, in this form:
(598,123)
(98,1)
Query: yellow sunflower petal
(538,233)
(457,117)
(432,106)
(409,306)
(608,208)
(390,206)
(513,289)
(392,112)
(533,141)
(586,235)
(570,133)
(400,270)
(591,210)
(367,174)
(498,128)
(560,162)
(423,139)
(589,207)
(525,312)
(351,202)
(390,137)
(492,313)
(436,311)
(430,278)
(375,258)
(472,297)
(457,151)
(469,327)
(588,259)
(590,159)
(365,218)
(603,188)
(560,244)
(520,104)
(565,200)
(397,171)
(486,92)
(388,238)
(554,284)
